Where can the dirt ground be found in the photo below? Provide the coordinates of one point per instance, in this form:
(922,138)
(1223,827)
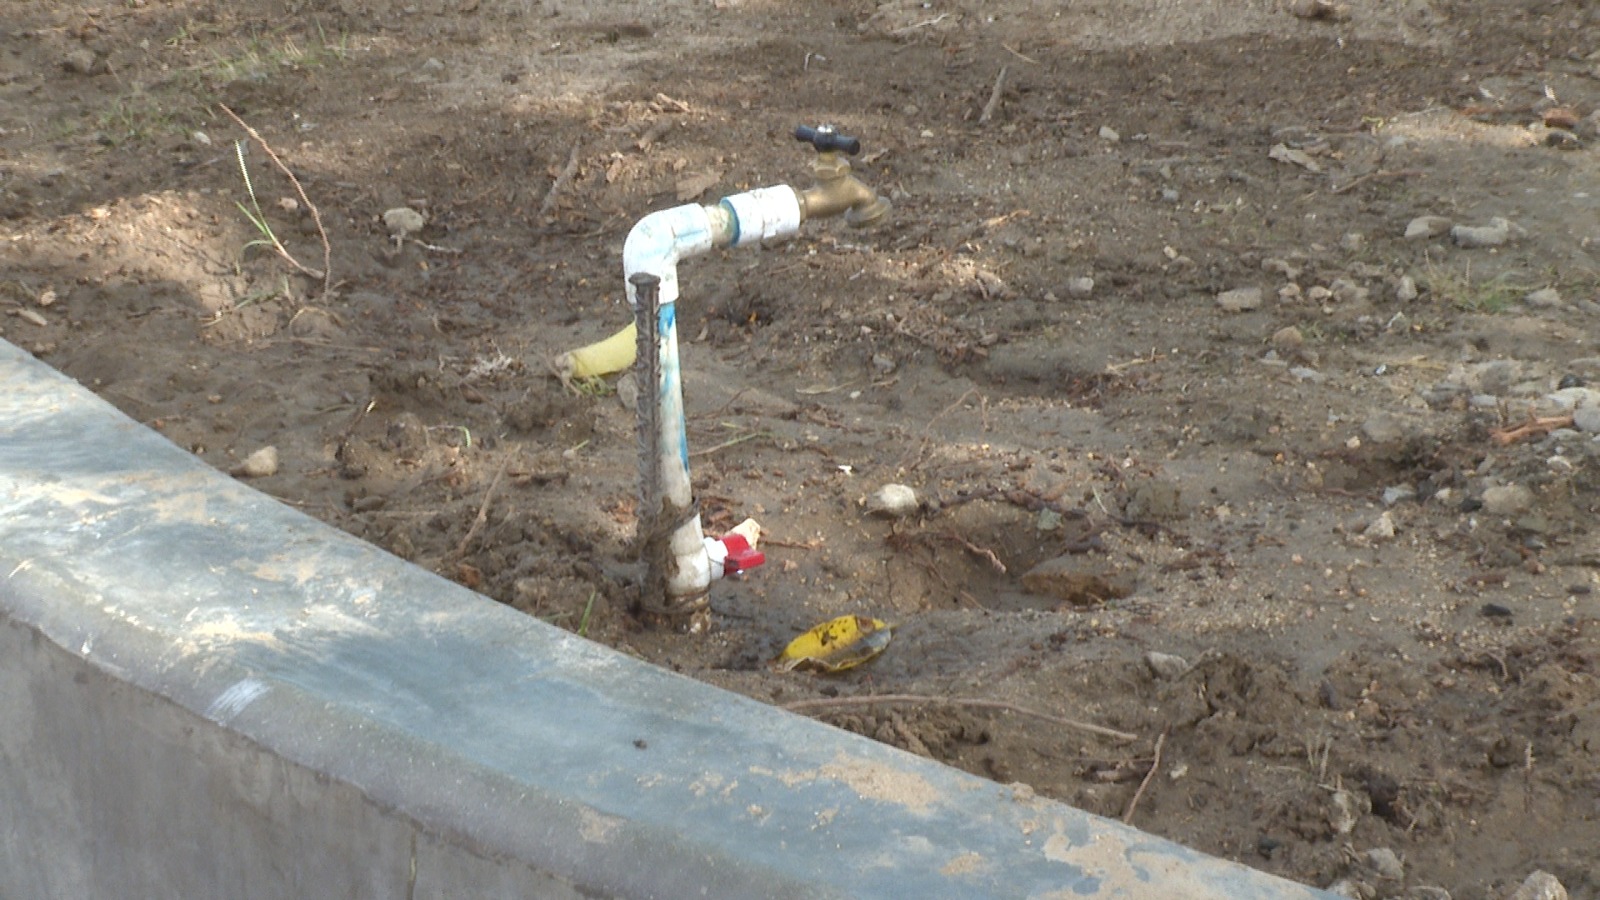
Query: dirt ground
(1207,448)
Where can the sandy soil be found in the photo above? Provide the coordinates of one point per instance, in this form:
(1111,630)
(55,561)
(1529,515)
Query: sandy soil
(1145,333)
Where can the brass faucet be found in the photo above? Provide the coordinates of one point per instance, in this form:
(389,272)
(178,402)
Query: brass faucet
(837,191)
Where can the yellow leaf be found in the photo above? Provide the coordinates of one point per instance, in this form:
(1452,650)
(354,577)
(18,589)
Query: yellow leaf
(836,645)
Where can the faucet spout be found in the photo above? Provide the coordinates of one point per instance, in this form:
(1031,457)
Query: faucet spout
(838,191)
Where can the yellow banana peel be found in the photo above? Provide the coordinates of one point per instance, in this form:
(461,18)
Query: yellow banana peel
(613,354)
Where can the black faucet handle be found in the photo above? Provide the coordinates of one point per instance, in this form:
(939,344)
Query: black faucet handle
(828,140)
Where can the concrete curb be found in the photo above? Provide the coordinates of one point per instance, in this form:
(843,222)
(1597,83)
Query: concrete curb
(204,693)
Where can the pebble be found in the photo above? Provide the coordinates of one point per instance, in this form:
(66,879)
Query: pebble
(1424,227)
(1387,427)
(1343,811)
(1398,494)
(1541,885)
(1280,267)
(1082,286)
(893,501)
(1347,291)
(1306,373)
(1386,863)
(1166,666)
(80,60)
(1471,237)
(1288,339)
(1586,419)
(1107,133)
(260,464)
(1507,499)
(1405,290)
(1345,887)
(403,221)
(1240,299)
(1381,529)
(1544,298)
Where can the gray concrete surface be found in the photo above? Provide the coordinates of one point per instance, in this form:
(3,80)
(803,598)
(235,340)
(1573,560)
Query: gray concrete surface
(205,694)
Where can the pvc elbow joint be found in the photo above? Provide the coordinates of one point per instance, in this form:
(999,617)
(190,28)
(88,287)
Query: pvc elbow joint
(731,555)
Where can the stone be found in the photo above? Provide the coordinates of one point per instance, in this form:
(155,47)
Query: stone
(1109,134)
(1507,499)
(1344,810)
(1288,339)
(1472,237)
(1240,299)
(1077,582)
(403,221)
(1540,885)
(1381,529)
(1386,863)
(1586,419)
(1166,666)
(1398,494)
(1080,287)
(1405,290)
(1387,427)
(260,464)
(893,501)
(1544,298)
(1426,227)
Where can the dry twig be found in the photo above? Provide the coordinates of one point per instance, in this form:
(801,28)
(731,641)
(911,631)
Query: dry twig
(1535,427)
(1127,815)
(1373,176)
(842,702)
(316,217)
(994,97)
(483,512)
(557,186)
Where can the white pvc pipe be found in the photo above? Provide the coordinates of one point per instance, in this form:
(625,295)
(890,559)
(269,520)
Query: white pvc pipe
(655,245)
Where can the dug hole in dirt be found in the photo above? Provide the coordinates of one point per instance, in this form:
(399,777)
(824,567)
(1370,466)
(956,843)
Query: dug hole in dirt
(1238,356)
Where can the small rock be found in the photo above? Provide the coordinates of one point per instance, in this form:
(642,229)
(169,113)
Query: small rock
(432,65)
(893,501)
(1170,195)
(47,298)
(1561,117)
(1540,885)
(1240,299)
(1507,499)
(1109,134)
(80,60)
(1586,419)
(1387,427)
(1320,10)
(1166,666)
(1080,287)
(1318,293)
(1288,339)
(1347,291)
(1353,241)
(1280,267)
(1306,373)
(403,221)
(1350,889)
(1472,237)
(1381,529)
(1290,293)
(260,464)
(1076,582)
(201,139)
(1495,611)
(1386,863)
(1344,810)
(1424,227)
(1405,290)
(1398,494)
(1544,298)
(884,363)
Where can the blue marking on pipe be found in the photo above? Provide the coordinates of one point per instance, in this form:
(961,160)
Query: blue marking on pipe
(734,213)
